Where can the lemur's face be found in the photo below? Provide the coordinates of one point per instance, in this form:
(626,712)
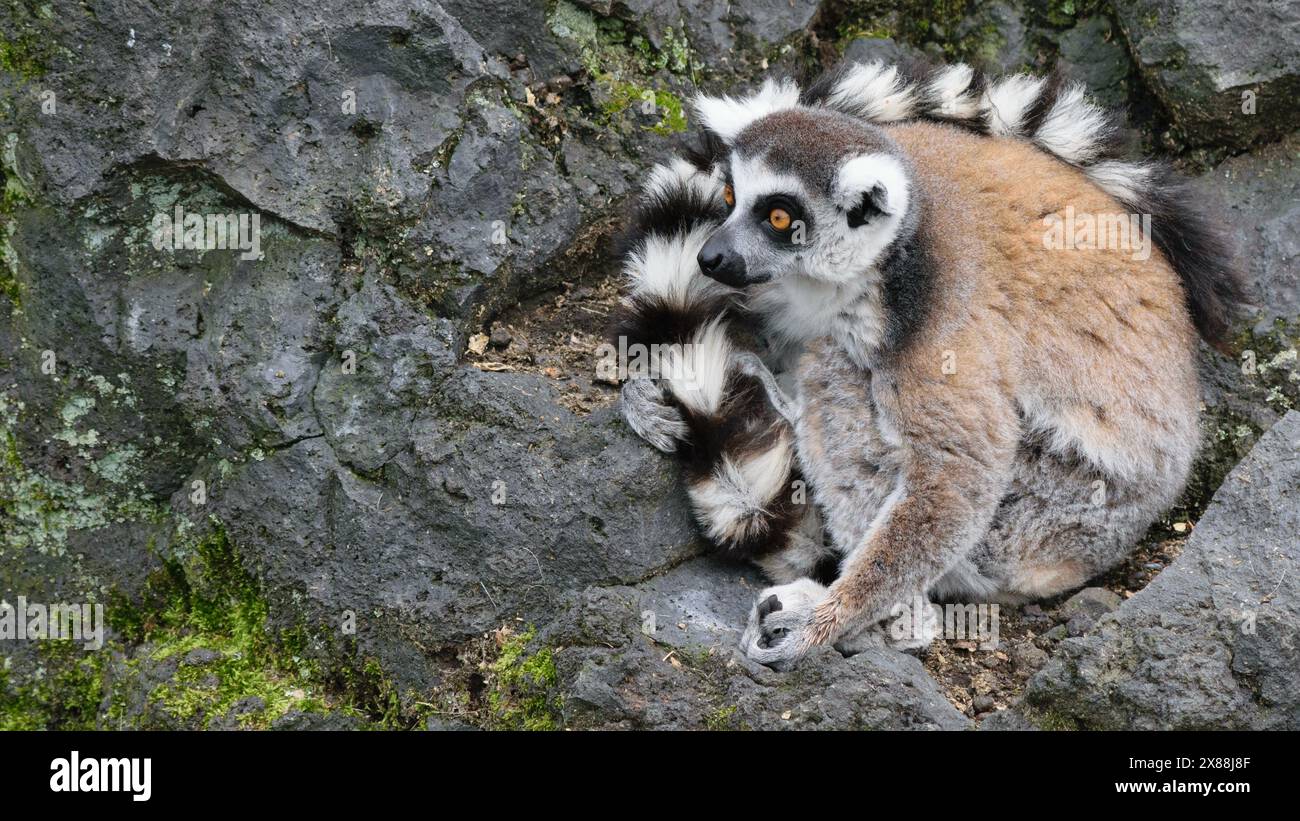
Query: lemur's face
(811,193)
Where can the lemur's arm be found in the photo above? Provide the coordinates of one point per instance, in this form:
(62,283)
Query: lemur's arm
(960,436)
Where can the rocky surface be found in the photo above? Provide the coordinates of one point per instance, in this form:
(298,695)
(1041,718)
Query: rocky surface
(367,479)
(1213,641)
(664,655)
(1226,73)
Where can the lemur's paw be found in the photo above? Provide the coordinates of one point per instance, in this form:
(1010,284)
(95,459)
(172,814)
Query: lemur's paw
(781,625)
(653,419)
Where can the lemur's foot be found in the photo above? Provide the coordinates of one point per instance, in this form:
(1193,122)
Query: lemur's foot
(781,625)
(653,419)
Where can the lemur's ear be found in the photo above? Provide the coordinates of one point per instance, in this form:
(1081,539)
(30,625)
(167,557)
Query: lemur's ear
(728,116)
(870,186)
(873,203)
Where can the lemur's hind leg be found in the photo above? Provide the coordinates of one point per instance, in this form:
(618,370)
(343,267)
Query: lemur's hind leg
(1061,524)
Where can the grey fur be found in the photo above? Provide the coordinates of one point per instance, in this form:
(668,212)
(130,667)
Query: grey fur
(650,417)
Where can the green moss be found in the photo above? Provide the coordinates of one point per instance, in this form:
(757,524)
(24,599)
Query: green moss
(624,95)
(621,64)
(66,691)
(723,718)
(28,47)
(522,697)
(22,57)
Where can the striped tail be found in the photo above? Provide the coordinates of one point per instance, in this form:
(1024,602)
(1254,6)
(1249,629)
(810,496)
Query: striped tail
(736,450)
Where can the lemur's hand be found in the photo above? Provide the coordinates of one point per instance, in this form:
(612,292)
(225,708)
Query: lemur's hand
(653,419)
(782,628)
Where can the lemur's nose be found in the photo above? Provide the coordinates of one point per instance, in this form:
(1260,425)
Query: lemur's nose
(709,262)
(719,261)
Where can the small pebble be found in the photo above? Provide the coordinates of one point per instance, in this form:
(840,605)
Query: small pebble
(1079,625)
(500,337)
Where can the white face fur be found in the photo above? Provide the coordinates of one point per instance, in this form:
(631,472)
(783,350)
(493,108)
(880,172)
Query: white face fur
(816,199)
(820,242)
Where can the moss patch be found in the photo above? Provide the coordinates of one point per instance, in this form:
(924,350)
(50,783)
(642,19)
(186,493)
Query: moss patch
(521,693)
(622,62)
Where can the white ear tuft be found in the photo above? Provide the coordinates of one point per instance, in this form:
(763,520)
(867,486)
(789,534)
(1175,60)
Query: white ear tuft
(880,177)
(728,116)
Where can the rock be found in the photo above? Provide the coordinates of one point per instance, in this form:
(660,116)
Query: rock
(1009,720)
(689,674)
(200,657)
(1093,53)
(1227,74)
(1028,656)
(500,337)
(1212,642)
(311,402)
(1079,625)
(994,38)
(880,49)
(299,720)
(716,29)
(1092,602)
(1260,195)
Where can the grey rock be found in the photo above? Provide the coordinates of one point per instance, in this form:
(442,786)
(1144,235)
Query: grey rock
(689,674)
(200,657)
(1093,602)
(1200,59)
(1010,720)
(1028,655)
(880,49)
(1093,53)
(717,29)
(995,38)
(1260,195)
(1079,625)
(332,721)
(1212,641)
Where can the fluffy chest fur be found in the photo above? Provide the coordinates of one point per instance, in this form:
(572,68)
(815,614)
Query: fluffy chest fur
(798,309)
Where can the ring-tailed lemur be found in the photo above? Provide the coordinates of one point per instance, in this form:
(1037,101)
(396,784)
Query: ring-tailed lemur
(979,414)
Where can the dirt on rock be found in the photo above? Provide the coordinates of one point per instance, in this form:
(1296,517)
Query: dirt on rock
(557,335)
(980,680)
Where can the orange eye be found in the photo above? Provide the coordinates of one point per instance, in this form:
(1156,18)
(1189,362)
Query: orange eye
(779,218)
(729,196)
